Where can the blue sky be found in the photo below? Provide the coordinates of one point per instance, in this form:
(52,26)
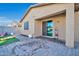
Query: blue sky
(13,11)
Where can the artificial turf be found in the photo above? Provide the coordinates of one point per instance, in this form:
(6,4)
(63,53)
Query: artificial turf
(7,41)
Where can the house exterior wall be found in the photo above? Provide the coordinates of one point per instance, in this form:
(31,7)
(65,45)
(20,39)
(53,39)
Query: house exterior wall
(77,26)
(60,24)
(35,26)
(38,28)
(29,19)
(38,13)
(48,10)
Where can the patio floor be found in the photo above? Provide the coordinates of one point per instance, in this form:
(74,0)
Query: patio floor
(37,47)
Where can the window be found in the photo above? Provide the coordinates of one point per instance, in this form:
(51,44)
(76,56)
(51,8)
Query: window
(26,25)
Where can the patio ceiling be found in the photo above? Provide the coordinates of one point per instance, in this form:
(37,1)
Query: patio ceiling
(51,15)
(61,12)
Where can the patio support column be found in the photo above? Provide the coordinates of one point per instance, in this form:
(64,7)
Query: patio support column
(70,26)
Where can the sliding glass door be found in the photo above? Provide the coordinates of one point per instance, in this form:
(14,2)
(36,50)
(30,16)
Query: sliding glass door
(47,28)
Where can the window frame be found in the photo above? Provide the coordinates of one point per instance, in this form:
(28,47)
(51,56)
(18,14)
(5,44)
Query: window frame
(26,25)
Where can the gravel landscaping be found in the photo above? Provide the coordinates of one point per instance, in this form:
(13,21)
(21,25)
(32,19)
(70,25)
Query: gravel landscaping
(37,47)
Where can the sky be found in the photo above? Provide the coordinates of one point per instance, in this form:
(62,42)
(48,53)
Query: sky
(13,11)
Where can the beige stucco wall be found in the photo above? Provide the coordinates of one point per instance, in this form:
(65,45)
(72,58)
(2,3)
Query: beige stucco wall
(60,24)
(40,12)
(30,19)
(77,26)
(35,26)
(60,21)
(31,28)
(48,10)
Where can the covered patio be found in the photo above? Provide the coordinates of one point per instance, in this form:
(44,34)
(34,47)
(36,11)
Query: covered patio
(69,28)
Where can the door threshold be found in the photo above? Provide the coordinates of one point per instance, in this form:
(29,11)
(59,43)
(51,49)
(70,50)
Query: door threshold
(47,36)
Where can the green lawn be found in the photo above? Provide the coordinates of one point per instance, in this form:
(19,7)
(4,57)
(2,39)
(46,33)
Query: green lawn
(10,40)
